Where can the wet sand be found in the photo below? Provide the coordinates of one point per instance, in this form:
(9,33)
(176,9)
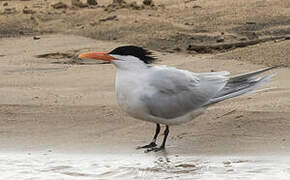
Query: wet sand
(52,114)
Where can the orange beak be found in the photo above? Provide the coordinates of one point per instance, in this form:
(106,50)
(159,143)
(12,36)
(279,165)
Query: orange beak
(98,56)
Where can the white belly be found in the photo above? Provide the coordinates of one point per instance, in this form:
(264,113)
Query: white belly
(135,108)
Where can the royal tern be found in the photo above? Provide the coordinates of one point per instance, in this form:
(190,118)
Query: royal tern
(166,95)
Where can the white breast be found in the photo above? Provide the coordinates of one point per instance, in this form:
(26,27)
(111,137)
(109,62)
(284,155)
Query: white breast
(128,86)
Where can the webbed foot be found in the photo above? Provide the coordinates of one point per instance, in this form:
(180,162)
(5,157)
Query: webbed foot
(155,149)
(151,145)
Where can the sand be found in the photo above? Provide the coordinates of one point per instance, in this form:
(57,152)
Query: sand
(168,26)
(72,107)
(60,119)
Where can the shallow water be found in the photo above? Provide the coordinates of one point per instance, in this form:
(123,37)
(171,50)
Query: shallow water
(51,166)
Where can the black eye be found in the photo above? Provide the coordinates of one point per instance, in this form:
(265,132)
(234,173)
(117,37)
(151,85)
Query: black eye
(139,52)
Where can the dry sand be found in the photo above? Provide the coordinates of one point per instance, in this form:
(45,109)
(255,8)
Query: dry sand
(168,26)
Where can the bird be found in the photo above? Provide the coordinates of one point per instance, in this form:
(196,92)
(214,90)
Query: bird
(166,95)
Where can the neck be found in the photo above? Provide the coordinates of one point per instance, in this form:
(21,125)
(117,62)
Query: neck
(130,63)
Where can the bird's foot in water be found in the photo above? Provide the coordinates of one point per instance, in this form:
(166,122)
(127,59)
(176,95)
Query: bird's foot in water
(151,145)
(155,149)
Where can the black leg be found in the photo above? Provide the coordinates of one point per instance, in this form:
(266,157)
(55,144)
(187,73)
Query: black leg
(153,142)
(166,132)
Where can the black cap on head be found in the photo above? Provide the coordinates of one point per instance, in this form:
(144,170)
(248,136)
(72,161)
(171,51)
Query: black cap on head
(139,52)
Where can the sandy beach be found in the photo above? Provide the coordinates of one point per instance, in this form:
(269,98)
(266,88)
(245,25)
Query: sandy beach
(59,118)
(50,109)
(73,107)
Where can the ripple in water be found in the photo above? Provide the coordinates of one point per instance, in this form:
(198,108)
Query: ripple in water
(140,166)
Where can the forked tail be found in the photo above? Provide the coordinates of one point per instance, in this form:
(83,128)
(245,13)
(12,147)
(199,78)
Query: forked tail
(242,84)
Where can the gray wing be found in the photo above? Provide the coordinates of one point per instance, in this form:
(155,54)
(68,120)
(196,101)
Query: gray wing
(174,92)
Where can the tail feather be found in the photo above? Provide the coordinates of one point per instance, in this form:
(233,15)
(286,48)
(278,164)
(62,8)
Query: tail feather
(242,84)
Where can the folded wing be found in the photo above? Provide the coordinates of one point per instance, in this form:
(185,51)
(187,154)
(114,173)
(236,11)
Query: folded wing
(177,92)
